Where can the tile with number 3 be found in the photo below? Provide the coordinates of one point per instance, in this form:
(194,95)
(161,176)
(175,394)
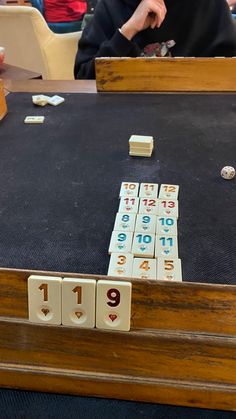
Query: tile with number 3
(121,265)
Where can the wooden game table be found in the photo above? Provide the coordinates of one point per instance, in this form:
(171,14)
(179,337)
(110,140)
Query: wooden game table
(181,349)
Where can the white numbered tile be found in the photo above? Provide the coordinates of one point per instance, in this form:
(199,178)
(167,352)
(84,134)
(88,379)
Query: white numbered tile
(146,223)
(169,191)
(168,208)
(125,222)
(148,206)
(148,190)
(143,245)
(129,204)
(169,269)
(166,246)
(113,305)
(129,189)
(167,226)
(121,265)
(44,299)
(144,268)
(78,302)
(121,242)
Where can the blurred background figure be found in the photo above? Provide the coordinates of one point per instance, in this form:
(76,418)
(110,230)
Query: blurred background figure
(232,5)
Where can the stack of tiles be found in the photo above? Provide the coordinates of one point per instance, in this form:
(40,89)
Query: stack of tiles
(140,145)
(144,240)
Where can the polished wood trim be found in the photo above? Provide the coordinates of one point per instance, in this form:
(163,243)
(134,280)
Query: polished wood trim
(166,74)
(51,86)
(162,305)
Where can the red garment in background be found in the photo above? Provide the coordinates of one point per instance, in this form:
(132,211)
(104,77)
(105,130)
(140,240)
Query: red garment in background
(64,10)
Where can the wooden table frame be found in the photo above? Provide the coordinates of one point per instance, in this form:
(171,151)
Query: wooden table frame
(181,349)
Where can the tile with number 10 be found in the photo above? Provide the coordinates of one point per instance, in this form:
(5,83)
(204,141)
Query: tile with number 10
(129,189)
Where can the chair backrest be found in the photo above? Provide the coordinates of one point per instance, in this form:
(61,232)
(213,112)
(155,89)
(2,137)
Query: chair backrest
(38,4)
(21,27)
(30,44)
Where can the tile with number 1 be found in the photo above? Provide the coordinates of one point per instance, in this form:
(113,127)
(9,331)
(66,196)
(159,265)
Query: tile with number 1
(78,302)
(44,299)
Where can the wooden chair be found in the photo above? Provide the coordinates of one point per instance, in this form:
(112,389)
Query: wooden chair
(30,44)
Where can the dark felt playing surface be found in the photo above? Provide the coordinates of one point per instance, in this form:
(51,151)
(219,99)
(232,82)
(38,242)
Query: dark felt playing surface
(60,181)
(59,186)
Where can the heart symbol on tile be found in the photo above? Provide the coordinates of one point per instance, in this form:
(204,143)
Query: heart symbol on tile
(167,211)
(148,209)
(113,317)
(166,230)
(78,314)
(45,311)
(128,208)
(166,252)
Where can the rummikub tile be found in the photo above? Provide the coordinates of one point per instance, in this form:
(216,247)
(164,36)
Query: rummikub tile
(148,190)
(44,299)
(143,245)
(168,208)
(113,305)
(129,204)
(120,265)
(169,191)
(166,225)
(121,242)
(125,222)
(146,223)
(129,189)
(144,268)
(166,246)
(78,302)
(169,269)
(148,206)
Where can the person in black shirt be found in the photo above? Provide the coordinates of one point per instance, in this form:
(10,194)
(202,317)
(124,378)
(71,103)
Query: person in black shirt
(124,28)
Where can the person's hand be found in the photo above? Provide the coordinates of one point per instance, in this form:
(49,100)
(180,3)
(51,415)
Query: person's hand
(149,13)
(231,2)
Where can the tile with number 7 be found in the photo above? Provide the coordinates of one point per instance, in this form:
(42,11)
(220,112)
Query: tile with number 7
(113,305)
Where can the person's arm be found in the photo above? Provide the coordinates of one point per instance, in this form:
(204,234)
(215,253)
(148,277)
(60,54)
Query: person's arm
(103,38)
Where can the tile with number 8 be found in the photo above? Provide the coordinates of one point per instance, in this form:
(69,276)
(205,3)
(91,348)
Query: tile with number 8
(125,222)
(148,190)
(168,208)
(113,305)
(144,268)
(169,191)
(120,265)
(167,226)
(146,223)
(129,189)
(78,302)
(169,269)
(120,242)
(143,245)
(166,246)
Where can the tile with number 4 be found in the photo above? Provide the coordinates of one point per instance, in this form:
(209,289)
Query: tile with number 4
(121,265)
(148,206)
(148,190)
(129,204)
(169,191)
(166,246)
(168,208)
(167,226)
(143,245)
(169,269)
(129,189)
(124,222)
(120,242)
(146,223)
(144,268)
(113,305)
(78,302)
(44,299)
